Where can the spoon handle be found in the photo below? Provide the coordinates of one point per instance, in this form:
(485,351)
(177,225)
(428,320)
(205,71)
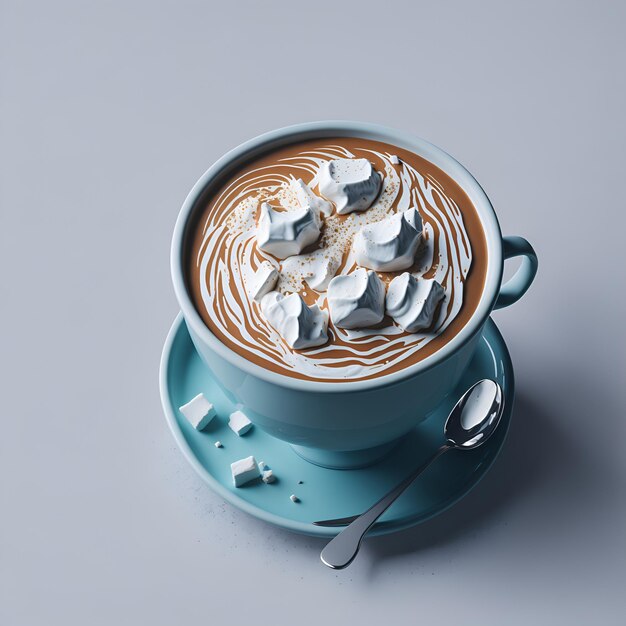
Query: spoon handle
(342,549)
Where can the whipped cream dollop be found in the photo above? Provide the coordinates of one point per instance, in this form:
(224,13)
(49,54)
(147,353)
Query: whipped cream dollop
(285,233)
(299,325)
(317,269)
(352,184)
(356,300)
(390,244)
(413,302)
(263,281)
(307,198)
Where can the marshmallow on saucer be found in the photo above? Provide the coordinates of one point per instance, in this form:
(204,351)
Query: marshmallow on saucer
(299,325)
(306,197)
(352,184)
(389,245)
(412,302)
(264,280)
(198,411)
(239,423)
(267,476)
(285,233)
(321,267)
(244,470)
(356,300)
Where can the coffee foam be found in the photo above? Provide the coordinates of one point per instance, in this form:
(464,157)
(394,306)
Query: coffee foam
(316,269)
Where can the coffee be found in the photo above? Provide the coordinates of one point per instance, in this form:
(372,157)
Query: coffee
(223,254)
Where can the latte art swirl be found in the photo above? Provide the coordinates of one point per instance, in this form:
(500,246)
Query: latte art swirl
(225,257)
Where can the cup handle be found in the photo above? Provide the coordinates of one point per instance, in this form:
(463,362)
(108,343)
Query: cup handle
(519,283)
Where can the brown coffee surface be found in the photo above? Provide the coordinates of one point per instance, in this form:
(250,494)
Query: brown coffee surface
(221,257)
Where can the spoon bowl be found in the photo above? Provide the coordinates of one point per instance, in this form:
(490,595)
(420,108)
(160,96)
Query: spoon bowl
(475,416)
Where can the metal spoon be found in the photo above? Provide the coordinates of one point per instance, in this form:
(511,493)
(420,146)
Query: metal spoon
(471,422)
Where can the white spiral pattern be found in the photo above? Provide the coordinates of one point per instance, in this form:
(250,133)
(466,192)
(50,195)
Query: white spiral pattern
(228,257)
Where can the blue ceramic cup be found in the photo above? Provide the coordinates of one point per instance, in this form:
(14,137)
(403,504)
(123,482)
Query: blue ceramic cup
(348,424)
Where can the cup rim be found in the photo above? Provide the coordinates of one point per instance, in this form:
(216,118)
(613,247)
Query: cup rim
(338,128)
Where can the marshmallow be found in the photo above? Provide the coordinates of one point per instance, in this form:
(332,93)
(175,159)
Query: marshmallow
(244,470)
(317,268)
(352,184)
(218,444)
(294,498)
(389,245)
(306,197)
(239,423)
(267,476)
(265,279)
(285,233)
(394,160)
(199,412)
(356,300)
(412,302)
(299,325)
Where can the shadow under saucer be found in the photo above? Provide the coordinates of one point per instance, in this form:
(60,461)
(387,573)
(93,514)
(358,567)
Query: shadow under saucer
(534,451)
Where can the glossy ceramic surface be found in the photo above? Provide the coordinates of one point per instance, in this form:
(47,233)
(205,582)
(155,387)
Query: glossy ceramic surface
(326,493)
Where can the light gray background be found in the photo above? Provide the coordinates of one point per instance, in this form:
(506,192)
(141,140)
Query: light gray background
(110,112)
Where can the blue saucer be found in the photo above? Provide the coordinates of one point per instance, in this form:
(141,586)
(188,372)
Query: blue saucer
(326,493)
